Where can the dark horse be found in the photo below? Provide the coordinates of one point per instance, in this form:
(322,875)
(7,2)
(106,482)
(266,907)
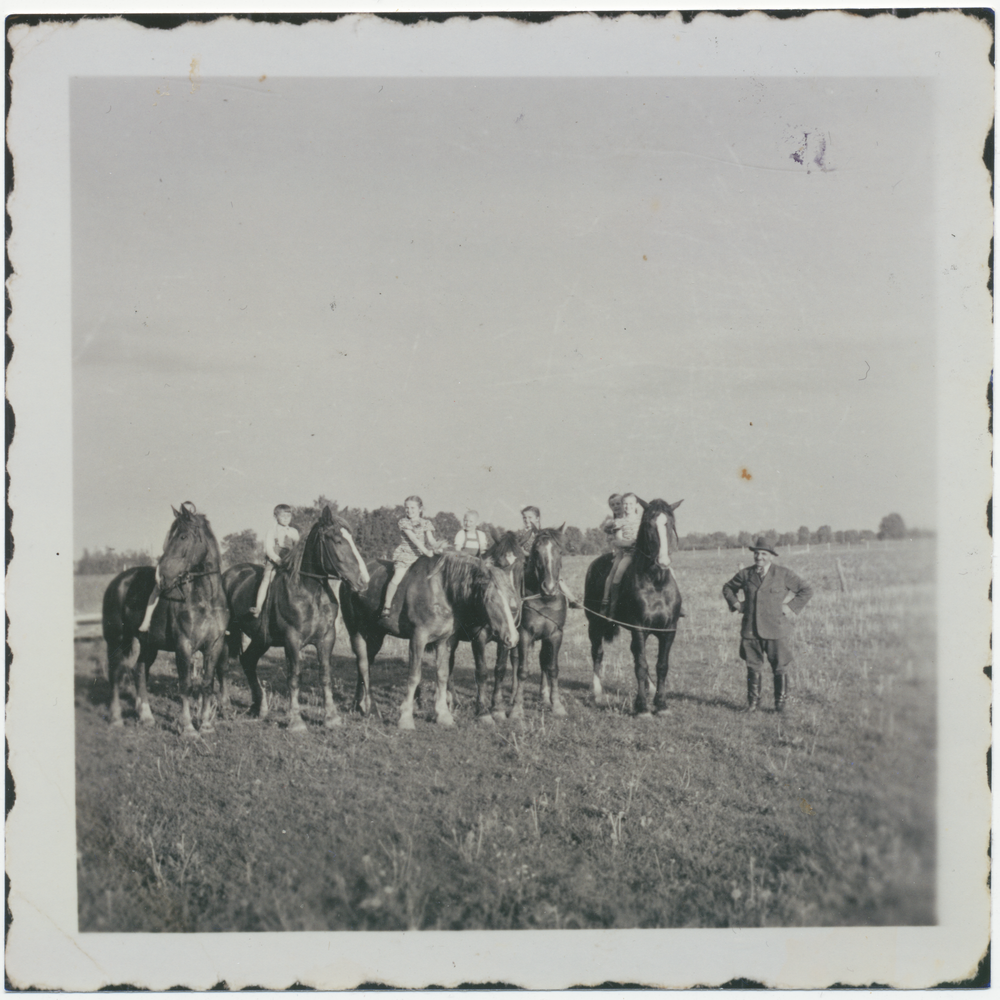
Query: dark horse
(507,556)
(543,616)
(649,603)
(437,596)
(300,609)
(190,618)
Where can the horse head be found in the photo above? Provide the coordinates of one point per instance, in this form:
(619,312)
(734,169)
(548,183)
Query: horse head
(657,534)
(330,551)
(190,545)
(502,605)
(541,571)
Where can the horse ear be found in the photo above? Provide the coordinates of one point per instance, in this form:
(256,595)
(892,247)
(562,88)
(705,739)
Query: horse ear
(494,533)
(674,506)
(177,513)
(562,530)
(326,517)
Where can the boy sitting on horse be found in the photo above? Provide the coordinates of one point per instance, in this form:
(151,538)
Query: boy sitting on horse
(418,540)
(154,598)
(279,539)
(470,539)
(532,518)
(624,530)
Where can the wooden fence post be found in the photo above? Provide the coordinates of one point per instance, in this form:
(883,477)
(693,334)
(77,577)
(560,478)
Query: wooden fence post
(840,573)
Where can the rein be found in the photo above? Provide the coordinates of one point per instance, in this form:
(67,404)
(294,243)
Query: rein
(628,625)
(182,579)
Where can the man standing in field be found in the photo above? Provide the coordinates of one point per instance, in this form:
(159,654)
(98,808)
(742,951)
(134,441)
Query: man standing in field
(771,594)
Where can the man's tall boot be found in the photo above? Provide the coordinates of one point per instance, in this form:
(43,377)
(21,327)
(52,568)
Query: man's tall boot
(780,691)
(754,682)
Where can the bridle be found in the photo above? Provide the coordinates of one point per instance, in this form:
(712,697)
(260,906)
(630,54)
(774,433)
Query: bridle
(180,580)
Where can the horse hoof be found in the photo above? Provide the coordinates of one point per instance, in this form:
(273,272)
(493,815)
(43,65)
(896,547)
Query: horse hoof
(559,709)
(406,722)
(499,715)
(118,723)
(644,714)
(445,719)
(516,713)
(188,732)
(146,716)
(333,722)
(297,725)
(485,720)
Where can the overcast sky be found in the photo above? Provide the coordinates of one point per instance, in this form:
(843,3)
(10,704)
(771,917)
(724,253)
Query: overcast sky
(499,292)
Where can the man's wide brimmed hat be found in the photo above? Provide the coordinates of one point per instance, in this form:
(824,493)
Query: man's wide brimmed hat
(761,545)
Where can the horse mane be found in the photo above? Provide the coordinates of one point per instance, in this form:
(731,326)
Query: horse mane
(192,519)
(465,578)
(647,546)
(504,546)
(291,561)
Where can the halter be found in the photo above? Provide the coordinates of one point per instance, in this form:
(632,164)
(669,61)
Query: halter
(182,579)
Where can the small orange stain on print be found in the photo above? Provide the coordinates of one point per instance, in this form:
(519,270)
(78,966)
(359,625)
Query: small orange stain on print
(262,78)
(805,807)
(644,257)
(745,475)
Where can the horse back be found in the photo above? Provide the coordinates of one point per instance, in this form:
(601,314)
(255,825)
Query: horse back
(240,584)
(597,573)
(125,601)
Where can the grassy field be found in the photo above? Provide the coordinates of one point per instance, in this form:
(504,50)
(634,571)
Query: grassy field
(702,817)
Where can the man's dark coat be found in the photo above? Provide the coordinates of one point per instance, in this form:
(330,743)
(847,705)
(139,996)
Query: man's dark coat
(762,616)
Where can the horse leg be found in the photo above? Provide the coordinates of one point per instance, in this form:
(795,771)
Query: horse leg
(442,710)
(641,673)
(417,643)
(324,652)
(211,704)
(117,651)
(293,661)
(499,672)
(147,654)
(249,658)
(362,691)
(662,668)
(519,661)
(478,644)
(596,630)
(184,657)
(550,665)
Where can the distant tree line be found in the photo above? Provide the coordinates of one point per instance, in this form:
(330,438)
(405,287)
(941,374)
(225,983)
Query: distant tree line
(892,527)
(110,561)
(376,534)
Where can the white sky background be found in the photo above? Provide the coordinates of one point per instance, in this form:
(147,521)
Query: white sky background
(545,290)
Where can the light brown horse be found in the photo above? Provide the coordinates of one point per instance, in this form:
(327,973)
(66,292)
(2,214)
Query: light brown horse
(437,595)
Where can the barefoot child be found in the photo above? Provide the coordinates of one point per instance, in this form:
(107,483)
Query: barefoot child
(280,538)
(418,540)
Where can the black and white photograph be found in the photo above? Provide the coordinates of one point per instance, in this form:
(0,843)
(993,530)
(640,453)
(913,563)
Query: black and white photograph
(500,475)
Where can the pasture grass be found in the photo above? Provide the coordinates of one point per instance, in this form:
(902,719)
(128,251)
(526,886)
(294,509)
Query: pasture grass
(702,817)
